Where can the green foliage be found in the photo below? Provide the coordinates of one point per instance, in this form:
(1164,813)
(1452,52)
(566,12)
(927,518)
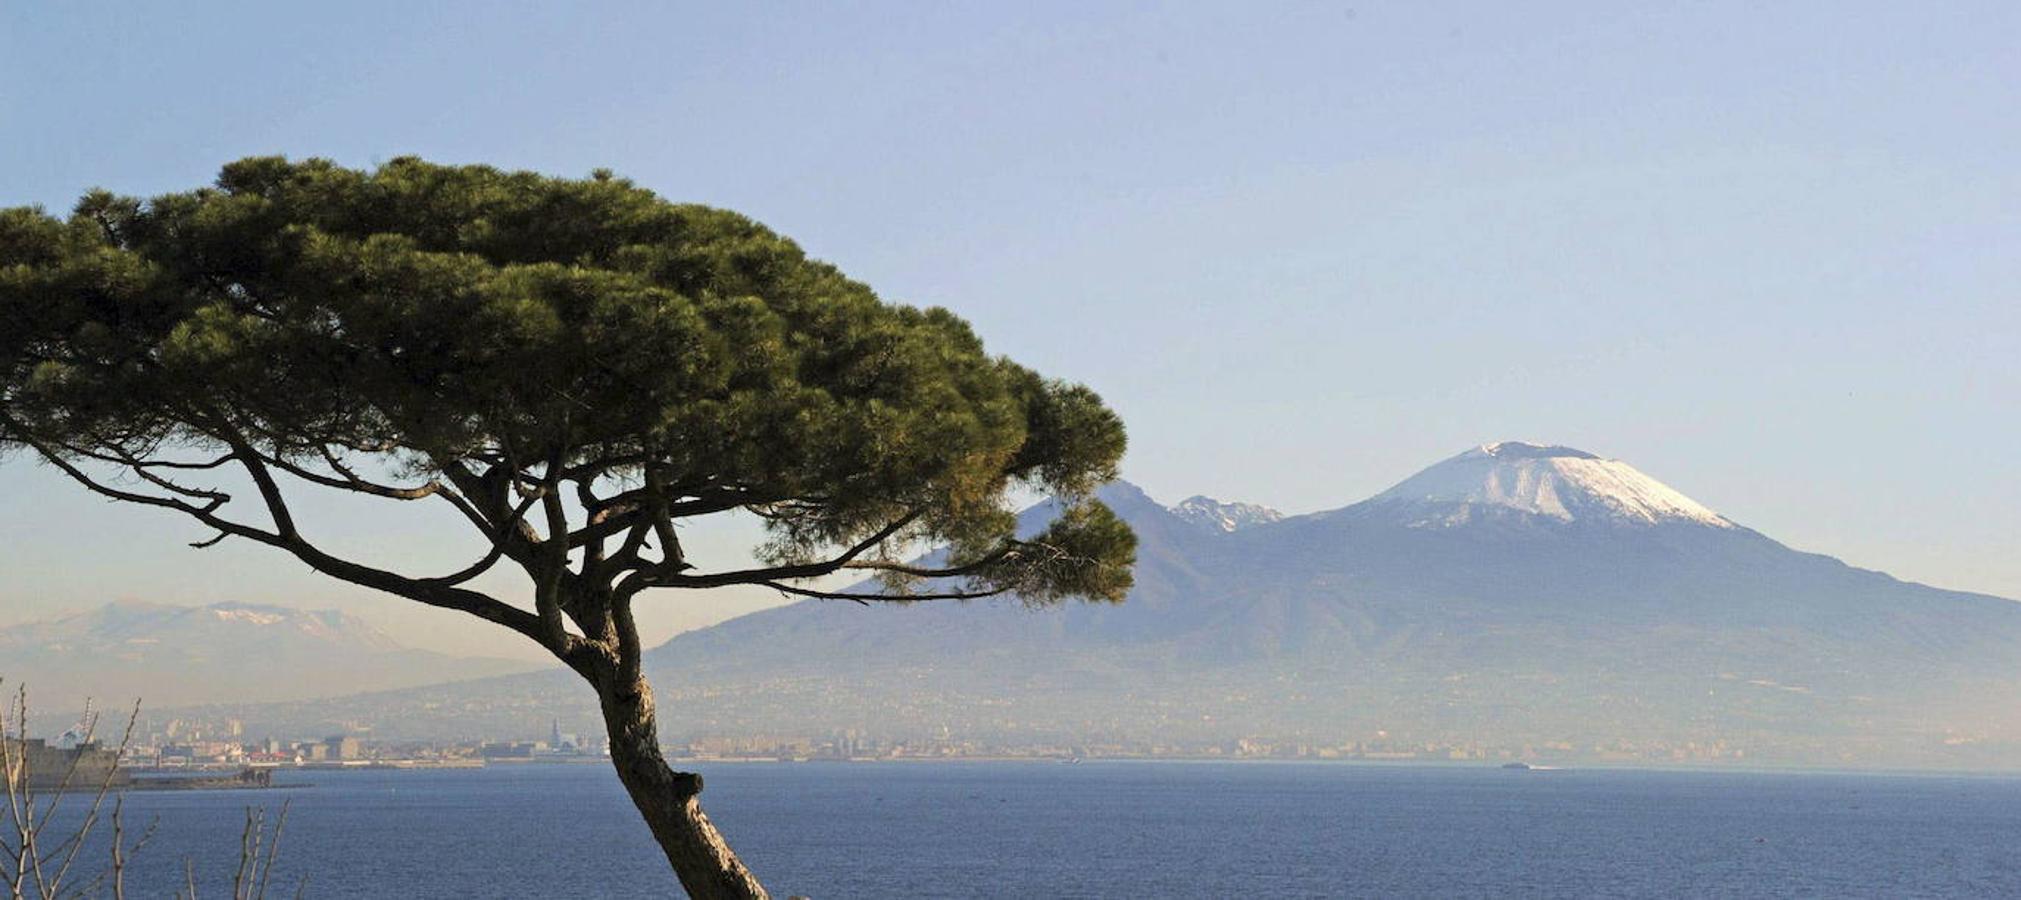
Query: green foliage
(430,316)
(1065,560)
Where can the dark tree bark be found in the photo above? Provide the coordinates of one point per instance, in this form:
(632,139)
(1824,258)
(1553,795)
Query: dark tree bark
(670,801)
(611,660)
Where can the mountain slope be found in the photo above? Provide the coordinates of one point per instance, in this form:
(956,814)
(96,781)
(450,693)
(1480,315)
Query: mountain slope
(1515,593)
(1515,596)
(226,652)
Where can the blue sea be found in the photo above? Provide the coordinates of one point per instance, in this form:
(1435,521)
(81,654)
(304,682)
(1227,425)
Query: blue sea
(1121,829)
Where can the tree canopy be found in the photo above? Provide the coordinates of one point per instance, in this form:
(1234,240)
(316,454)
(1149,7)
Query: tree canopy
(575,364)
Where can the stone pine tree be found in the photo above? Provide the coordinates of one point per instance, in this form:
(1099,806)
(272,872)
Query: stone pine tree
(574,367)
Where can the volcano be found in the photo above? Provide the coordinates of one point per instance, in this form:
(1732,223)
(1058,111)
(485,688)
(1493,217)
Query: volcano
(1513,599)
(1514,595)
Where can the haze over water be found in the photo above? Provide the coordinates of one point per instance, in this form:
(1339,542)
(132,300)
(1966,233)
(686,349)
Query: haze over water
(1182,830)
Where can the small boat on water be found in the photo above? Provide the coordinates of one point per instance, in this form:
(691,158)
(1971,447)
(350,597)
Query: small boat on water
(1516,765)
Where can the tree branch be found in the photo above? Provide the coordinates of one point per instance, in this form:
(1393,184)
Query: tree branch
(204,514)
(662,519)
(867,599)
(1009,549)
(499,538)
(552,566)
(609,522)
(630,650)
(119,456)
(348,479)
(270,491)
(785,573)
(126,459)
(585,496)
(485,502)
(425,591)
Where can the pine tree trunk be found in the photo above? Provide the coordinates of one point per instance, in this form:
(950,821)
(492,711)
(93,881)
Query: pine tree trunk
(669,800)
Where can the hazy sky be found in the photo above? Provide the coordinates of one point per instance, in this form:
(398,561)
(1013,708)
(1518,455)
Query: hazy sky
(1765,252)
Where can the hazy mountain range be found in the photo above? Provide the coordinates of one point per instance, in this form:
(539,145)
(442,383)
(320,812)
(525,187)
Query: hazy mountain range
(234,652)
(1513,595)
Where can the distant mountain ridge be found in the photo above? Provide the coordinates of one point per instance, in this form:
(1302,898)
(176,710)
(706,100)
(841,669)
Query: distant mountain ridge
(1516,592)
(1515,595)
(1214,515)
(168,655)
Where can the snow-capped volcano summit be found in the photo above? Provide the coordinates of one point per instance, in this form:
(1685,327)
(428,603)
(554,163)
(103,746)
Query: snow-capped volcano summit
(1551,481)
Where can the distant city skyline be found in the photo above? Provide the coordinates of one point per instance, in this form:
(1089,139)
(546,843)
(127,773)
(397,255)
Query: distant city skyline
(1763,254)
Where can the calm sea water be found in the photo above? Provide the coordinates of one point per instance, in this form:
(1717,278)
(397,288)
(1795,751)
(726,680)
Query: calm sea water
(1126,830)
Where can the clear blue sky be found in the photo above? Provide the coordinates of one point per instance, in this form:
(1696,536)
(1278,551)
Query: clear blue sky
(1765,252)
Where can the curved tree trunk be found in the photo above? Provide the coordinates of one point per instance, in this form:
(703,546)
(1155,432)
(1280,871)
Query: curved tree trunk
(669,800)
